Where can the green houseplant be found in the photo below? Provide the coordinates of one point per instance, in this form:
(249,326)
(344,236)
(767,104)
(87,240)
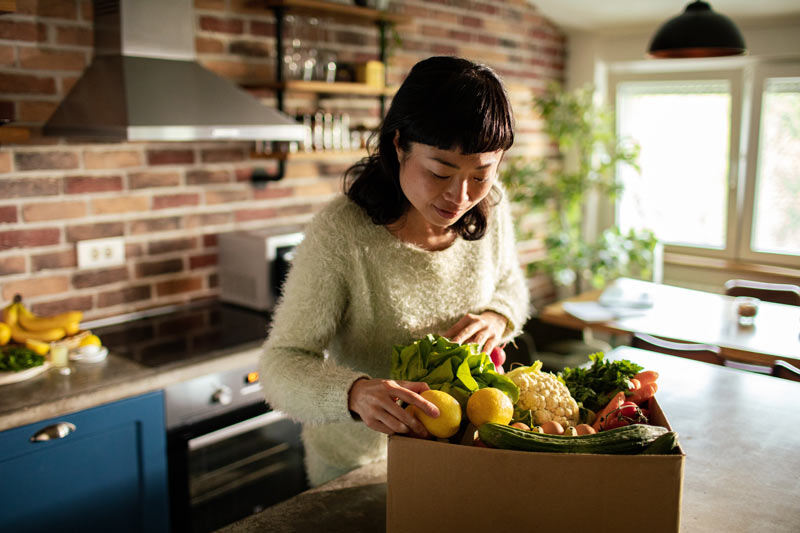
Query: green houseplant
(557,189)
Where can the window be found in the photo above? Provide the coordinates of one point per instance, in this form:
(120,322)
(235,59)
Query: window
(720,161)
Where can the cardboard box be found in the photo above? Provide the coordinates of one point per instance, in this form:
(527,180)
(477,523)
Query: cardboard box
(441,487)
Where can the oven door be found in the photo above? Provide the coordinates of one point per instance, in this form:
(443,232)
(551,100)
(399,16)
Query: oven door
(230,467)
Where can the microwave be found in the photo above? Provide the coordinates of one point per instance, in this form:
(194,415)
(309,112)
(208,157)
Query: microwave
(253,265)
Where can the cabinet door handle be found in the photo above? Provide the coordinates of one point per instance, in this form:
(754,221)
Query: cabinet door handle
(55,431)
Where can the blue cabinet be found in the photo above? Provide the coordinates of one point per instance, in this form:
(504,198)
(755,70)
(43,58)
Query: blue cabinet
(109,473)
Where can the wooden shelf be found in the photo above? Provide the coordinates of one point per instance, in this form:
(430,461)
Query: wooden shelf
(14,134)
(350,11)
(321,87)
(330,155)
(8,6)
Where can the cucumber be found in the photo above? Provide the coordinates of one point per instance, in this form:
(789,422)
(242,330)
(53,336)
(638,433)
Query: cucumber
(666,444)
(630,439)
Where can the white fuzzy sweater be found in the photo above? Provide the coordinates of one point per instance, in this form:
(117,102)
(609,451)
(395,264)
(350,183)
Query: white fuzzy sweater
(354,290)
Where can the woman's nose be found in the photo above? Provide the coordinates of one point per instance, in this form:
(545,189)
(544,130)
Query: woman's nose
(456,191)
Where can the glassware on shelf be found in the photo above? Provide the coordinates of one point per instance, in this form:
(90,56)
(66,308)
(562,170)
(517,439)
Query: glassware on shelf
(59,357)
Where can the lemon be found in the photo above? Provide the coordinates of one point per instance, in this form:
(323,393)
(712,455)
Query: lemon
(449,420)
(5,333)
(489,405)
(91,340)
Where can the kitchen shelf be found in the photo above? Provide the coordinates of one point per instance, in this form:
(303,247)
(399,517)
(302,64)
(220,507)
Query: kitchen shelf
(14,134)
(322,87)
(364,14)
(329,155)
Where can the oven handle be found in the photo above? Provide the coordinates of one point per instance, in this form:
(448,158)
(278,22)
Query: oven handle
(236,429)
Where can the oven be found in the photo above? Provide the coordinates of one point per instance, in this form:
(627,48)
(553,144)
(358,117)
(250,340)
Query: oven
(229,454)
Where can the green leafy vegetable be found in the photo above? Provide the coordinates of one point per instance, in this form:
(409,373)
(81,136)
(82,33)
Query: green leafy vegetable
(456,369)
(594,387)
(15,358)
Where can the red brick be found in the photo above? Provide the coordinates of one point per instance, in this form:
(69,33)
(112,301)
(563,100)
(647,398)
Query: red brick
(33,111)
(46,160)
(26,84)
(157,268)
(202,261)
(208,45)
(101,230)
(30,288)
(120,204)
(6,56)
(51,260)
(261,28)
(67,83)
(74,35)
(134,250)
(272,192)
(171,245)
(152,225)
(112,159)
(87,11)
(49,8)
(126,295)
(86,184)
(74,303)
(26,187)
(169,157)
(271,212)
(222,197)
(217,5)
(22,31)
(12,265)
(207,219)
(146,180)
(203,177)
(177,286)
(5,162)
(220,25)
(8,214)
(95,278)
(175,200)
(210,240)
(53,211)
(33,57)
(249,49)
(29,238)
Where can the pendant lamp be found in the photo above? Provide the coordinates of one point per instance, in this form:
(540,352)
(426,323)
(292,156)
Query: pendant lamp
(698,32)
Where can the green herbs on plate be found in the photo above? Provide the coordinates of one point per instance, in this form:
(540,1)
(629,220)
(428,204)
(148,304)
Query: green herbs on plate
(16,358)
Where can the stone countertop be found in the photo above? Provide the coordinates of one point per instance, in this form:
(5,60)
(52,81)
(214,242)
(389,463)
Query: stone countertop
(355,501)
(51,394)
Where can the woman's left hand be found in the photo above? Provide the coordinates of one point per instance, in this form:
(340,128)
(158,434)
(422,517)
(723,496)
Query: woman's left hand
(486,329)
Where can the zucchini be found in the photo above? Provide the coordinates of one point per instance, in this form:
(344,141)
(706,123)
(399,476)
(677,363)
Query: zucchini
(666,444)
(630,439)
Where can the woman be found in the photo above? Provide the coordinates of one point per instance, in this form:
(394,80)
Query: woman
(421,243)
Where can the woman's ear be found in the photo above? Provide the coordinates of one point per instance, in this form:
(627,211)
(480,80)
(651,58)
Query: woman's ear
(397,149)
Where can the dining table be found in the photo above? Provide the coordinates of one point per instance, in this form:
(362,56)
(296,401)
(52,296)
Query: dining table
(685,315)
(738,430)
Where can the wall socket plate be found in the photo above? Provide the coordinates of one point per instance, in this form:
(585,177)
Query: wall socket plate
(97,253)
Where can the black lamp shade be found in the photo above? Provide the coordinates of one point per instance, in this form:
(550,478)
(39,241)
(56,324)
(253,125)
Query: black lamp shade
(697,32)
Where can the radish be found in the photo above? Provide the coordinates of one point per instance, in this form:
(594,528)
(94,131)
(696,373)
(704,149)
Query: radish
(498,357)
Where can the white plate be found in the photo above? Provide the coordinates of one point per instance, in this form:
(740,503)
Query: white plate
(89,354)
(22,375)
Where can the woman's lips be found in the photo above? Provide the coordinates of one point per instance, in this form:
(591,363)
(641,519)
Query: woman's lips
(445,213)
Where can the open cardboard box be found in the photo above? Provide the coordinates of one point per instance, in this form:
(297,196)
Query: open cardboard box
(439,487)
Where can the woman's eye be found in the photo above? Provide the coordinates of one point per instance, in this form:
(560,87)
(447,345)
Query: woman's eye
(437,176)
(479,179)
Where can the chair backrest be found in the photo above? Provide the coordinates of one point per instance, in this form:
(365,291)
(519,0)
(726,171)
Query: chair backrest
(780,293)
(707,353)
(784,370)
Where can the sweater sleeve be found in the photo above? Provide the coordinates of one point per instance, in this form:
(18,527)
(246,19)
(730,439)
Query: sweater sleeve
(511,298)
(298,379)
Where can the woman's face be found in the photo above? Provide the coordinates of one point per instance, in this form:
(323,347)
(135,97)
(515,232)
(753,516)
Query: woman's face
(442,185)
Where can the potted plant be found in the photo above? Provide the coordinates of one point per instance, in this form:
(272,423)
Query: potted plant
(556,189)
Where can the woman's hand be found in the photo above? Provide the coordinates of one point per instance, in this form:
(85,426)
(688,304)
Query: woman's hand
(486,329)
(375,401)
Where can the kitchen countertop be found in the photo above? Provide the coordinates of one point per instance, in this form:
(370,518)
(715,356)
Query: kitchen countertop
(738,430)
(130,369)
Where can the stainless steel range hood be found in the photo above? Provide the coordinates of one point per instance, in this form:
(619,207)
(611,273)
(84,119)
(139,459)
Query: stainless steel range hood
(144,84)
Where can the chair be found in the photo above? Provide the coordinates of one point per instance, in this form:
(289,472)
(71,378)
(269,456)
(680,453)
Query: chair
(784,370)
(781,293)
(706,353)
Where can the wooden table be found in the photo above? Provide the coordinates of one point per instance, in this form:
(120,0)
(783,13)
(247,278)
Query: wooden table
(687,315)
(738,429)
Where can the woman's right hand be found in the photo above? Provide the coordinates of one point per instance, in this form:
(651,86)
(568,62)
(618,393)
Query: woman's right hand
(375,401)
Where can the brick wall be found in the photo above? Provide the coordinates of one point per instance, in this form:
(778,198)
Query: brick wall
(170,200)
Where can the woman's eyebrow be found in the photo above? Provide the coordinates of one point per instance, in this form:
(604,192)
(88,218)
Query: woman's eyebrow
(451,165)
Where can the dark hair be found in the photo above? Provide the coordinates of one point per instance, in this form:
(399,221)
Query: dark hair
(445,102)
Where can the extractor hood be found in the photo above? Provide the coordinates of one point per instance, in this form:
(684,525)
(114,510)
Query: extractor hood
(144,84)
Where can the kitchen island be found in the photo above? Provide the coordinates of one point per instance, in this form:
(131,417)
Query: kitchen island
(738,430)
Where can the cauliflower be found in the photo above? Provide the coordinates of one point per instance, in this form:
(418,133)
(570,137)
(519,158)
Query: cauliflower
(545,396)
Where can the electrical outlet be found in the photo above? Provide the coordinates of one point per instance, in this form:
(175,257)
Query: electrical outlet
(97,253)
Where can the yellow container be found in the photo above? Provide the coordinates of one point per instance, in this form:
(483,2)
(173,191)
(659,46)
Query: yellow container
(372,73)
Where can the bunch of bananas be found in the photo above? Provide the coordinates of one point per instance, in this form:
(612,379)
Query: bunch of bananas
(25,327)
